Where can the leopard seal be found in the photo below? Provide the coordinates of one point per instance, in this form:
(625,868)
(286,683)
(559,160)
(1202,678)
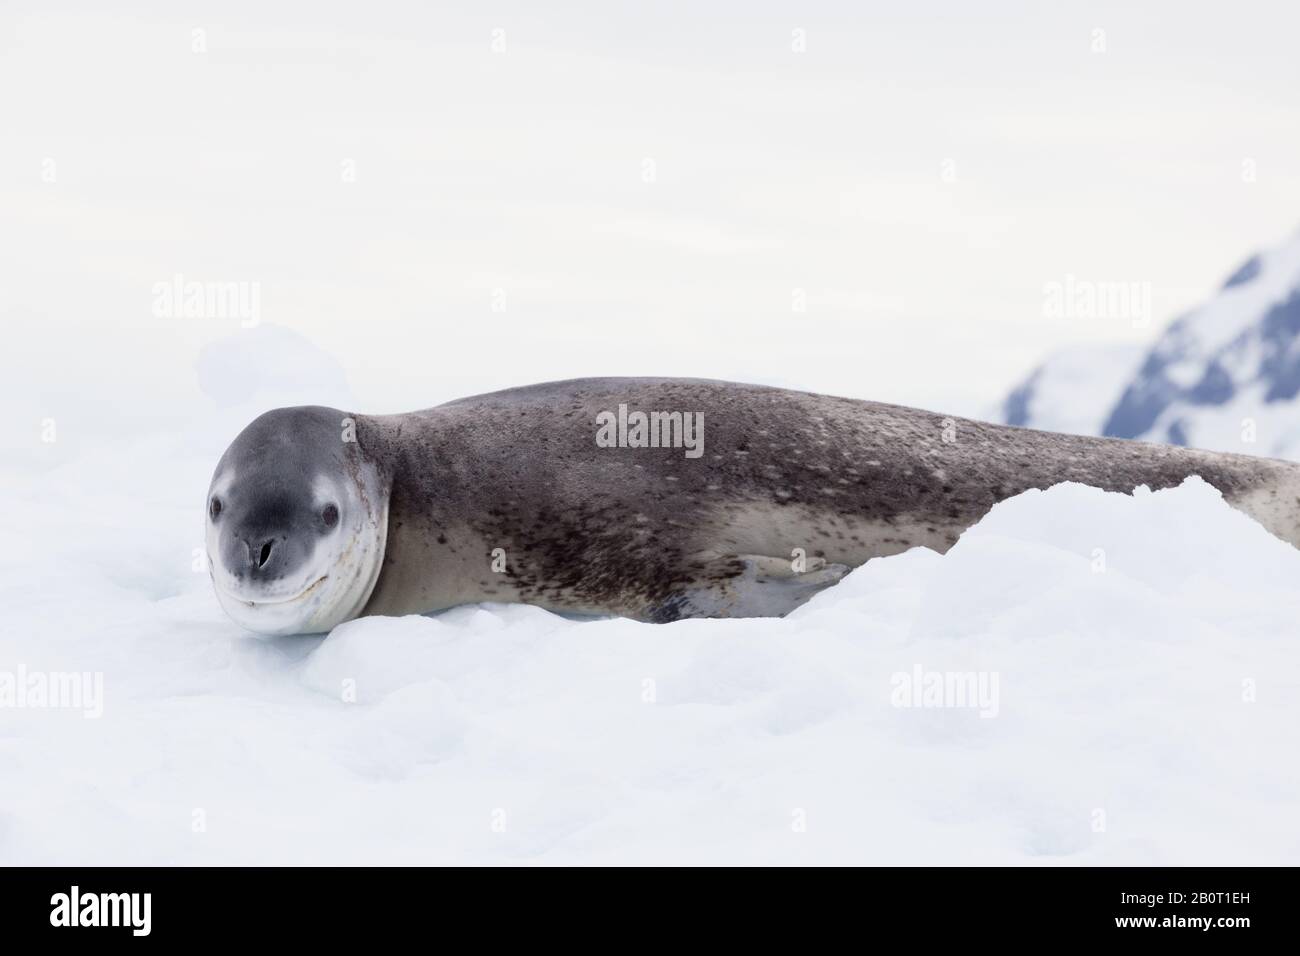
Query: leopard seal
(554,495)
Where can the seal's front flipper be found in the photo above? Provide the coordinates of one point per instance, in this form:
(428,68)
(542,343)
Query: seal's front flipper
(750,585)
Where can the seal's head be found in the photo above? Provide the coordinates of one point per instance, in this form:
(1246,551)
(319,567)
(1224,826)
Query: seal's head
(296,523)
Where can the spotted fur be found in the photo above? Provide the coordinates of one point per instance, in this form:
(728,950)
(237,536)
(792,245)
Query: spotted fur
(652,534)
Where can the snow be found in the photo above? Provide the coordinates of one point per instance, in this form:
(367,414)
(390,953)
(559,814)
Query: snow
(1142,649)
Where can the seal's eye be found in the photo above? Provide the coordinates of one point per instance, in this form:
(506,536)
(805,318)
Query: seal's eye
(214,508)
(330,515)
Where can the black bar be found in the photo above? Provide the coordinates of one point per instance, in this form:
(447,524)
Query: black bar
(330,906)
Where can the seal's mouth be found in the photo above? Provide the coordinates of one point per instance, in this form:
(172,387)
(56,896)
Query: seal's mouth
(279,601)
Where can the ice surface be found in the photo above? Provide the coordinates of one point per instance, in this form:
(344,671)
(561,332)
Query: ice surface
(1144,648)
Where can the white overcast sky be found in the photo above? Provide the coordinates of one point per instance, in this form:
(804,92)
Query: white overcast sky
(522,170)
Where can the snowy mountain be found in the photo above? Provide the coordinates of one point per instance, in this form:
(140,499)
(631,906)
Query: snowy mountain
(1074,389)
(1225,376)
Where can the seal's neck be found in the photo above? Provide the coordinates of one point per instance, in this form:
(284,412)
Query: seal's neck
(357,566)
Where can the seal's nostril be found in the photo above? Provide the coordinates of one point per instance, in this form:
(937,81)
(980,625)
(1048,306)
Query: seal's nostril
(265,554)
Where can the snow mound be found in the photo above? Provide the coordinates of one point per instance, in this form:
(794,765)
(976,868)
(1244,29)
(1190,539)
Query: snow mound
(272,365)
(1084,678)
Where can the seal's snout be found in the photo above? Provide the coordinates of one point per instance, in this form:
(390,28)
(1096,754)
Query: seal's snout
(260,554)
(265,540)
